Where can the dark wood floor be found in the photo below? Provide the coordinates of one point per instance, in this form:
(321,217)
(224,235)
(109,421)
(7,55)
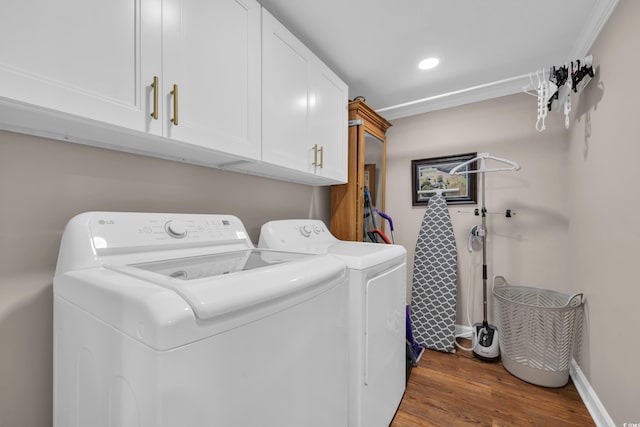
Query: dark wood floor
(459,390)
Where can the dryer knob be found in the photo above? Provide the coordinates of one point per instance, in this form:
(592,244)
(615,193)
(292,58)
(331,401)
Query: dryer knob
(177,229)
(305,231)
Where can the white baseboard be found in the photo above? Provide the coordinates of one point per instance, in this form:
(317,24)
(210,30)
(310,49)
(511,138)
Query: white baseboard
(594,406)
(596,409)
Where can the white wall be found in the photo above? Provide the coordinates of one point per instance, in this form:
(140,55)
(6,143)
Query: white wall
(43,183)
(529,248)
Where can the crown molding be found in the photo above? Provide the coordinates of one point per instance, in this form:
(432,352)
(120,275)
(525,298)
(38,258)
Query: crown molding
(592,27)
(590,31)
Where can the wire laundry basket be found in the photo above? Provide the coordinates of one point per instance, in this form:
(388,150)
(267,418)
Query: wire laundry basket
(539,330)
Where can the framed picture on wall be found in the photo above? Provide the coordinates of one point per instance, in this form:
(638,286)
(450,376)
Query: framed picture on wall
(430,176)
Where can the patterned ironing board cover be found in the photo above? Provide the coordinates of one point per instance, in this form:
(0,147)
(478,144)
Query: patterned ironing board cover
(433,296)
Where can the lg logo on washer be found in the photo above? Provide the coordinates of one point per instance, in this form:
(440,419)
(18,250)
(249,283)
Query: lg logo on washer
(106,221)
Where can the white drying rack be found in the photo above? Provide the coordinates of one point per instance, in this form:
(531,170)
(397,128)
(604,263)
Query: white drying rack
(439,191)
(482,157)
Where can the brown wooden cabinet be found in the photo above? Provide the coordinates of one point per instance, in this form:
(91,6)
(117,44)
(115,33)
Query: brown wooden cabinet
(367,166)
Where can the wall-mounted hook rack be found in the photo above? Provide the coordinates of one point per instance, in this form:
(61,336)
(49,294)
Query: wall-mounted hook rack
(508,213)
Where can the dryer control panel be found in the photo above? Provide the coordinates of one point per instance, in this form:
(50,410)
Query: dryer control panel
(309,235)
(312,229)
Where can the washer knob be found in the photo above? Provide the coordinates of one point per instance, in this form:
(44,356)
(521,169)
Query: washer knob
(177,229)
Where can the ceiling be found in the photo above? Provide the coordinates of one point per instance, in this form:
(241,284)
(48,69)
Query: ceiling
(486,48)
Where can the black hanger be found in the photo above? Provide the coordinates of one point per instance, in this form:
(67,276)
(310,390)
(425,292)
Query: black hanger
(580,73)
(559,77)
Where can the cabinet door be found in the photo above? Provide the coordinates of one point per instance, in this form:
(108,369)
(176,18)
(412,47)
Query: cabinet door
(304,107)
(93,59)
(328,123)
(285,98)
(212,53)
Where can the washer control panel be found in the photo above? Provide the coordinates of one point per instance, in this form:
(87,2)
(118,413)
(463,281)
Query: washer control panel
(93,239)
(112,230)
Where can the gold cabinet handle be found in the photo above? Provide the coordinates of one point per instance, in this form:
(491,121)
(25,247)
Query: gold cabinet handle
(154,85)
(174,92)
(321,156)
(315,155)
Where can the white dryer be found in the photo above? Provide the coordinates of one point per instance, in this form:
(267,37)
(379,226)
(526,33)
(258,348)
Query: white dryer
(377,316)
(165,320)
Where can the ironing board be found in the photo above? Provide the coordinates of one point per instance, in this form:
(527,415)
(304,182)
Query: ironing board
(433,296)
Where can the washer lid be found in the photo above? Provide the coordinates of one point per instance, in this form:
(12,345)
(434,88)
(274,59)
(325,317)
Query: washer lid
(212,265)
(219,284)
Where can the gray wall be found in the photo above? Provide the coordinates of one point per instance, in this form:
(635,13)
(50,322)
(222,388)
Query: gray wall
(576,199)
(528,248)
(604,205)
(43,183)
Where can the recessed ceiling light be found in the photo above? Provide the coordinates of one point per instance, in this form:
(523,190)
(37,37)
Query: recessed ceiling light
(429,63)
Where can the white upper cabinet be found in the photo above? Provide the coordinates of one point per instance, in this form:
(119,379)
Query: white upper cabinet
(211,82)
(285,97)
(328,123)
(212,55)
(82,57)
(99,60)
(304,107)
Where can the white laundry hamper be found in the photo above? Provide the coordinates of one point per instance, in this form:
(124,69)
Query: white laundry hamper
(539,330)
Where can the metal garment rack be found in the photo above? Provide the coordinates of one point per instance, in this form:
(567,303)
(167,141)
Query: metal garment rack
(463,169)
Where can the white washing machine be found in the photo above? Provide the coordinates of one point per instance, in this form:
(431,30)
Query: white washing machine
(165,320)
(377,319)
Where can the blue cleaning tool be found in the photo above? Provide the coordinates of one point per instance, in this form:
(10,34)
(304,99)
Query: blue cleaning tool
(416,349)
